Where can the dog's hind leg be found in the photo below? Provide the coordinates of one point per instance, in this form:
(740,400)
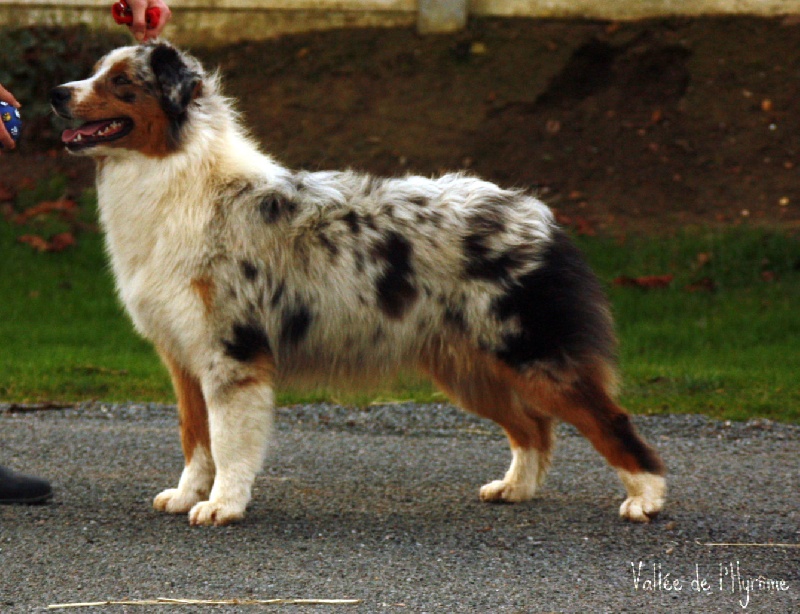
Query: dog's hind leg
(240,410)
(531,442)
(480,384)
(583,398)
(198,472)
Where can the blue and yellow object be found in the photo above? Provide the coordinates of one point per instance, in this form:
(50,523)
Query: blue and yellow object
(12,120)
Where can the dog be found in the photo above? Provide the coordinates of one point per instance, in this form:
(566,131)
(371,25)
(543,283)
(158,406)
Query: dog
(247,275)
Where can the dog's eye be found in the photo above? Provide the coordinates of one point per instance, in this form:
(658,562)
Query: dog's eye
(120,80)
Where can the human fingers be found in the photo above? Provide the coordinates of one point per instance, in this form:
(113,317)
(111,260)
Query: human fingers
(8,97)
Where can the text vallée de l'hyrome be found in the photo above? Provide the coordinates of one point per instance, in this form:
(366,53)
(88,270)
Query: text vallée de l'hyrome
(728,578)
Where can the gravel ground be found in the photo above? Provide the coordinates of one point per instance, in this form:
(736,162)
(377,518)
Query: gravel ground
(381,505)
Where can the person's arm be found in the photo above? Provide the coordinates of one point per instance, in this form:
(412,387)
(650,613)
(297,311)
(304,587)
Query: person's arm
(5,137)
(139,27)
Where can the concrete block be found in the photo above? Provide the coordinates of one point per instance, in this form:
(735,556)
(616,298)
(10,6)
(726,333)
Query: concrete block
(441,16)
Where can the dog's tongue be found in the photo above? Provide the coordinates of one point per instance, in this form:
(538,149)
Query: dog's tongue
(85,130)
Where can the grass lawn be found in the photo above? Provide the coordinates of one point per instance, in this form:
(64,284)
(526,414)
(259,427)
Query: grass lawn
(721,339)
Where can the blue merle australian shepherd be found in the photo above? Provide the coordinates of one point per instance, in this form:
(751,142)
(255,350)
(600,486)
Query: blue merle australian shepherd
(247,275)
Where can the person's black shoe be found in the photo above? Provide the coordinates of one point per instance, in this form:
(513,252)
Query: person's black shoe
(22,489)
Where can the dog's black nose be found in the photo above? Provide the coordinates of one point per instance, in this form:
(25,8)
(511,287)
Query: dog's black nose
(59,97)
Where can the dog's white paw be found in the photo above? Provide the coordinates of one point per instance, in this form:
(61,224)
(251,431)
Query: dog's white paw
(640,509)
(176,501)
(519,484)
(646,495)
(215,512)
(506,491)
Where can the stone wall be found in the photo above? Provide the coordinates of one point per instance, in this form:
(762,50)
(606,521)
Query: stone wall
(220,21)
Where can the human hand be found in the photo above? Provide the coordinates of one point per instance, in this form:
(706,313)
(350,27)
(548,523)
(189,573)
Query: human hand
(139,28)
(5,137)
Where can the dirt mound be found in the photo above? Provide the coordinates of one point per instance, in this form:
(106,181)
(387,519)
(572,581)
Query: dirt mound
(645,125)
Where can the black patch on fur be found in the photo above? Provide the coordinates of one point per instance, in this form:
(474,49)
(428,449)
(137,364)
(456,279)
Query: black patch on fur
(561,309)
(394,288)
(369,221)
(277,295)
(455,317)
(329,245)
(419,201)
(178,84)
(275,206)
(486,223)
(249,340)
(250,270)
(481,263)
(294,325)
(353,222)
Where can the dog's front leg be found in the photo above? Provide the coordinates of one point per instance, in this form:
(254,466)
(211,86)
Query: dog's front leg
(198,473)
(239,419)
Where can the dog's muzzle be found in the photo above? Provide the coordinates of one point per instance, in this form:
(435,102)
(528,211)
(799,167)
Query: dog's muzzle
(60,98)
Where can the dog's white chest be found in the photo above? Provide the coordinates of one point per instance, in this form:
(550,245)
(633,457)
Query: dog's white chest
(153,267)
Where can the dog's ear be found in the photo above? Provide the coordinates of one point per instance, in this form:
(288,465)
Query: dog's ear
(179,83)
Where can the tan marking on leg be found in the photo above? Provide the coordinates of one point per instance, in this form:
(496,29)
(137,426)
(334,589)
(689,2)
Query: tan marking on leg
(483,385)
(262,371)
(204,288)
(191,408)
(489,388)
(198,472)
(525,404)
(240,421)
(587,404)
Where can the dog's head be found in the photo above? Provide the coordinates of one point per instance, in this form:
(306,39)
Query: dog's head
(138,98)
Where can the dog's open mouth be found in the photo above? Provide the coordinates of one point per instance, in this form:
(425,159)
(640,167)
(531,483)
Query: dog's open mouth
(94,133)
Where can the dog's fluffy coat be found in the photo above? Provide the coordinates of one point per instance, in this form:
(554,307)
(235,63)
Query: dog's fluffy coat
(245,275)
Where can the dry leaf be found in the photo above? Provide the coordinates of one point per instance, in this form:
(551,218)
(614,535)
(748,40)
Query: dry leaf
(703,258)
(706,284)
(57,243)
(45,207)
(35,241)
(646,282)
(7,193)
(579,224)
(61,241)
